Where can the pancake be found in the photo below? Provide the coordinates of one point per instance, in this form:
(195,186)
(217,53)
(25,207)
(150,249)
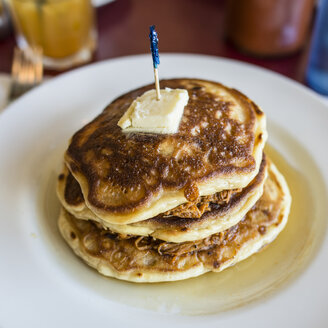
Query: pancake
(128,178)
(144,259)
(220,212)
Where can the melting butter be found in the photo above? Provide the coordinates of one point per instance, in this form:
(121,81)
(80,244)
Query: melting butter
(147,114)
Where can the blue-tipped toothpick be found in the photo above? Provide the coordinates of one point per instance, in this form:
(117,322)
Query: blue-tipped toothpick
(154,52)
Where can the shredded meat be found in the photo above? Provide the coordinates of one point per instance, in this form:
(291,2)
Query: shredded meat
(99,241)
(201,204)
(143,243)
(177,249)
(173,249)
(193,209)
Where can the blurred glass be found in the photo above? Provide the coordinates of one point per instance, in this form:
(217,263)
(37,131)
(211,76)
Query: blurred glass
(317,73)
(64,29)
(269,28)
(4,21)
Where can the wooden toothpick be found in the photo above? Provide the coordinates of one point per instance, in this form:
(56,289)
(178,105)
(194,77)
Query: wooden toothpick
(154,52)
(158,92)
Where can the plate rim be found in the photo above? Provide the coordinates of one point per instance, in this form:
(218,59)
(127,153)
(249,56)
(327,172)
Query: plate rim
(309,92)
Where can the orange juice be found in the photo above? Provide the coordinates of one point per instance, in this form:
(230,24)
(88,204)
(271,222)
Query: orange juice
(60,27)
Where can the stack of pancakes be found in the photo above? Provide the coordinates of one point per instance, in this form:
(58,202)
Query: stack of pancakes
(162,207)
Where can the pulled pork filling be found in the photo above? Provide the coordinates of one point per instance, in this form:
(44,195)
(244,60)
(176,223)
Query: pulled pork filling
(174,249)
(192,209)
(195,209)
(162,247)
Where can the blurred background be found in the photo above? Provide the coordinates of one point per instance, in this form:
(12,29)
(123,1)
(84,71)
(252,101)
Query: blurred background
(286,36)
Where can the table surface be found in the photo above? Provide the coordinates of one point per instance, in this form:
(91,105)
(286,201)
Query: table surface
(188,26)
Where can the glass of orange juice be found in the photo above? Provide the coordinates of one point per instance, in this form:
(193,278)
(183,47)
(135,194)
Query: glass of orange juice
(64,29)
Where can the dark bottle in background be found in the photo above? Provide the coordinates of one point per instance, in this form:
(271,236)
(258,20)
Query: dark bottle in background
(269,28)
(317,72)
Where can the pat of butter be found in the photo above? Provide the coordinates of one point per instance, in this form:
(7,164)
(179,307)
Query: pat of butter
(147,114)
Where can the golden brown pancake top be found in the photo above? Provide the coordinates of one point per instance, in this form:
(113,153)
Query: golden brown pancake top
(123,171)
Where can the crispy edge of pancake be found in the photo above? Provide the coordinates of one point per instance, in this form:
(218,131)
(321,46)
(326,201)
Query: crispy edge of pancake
(201,228)
(245,251)
(169,199)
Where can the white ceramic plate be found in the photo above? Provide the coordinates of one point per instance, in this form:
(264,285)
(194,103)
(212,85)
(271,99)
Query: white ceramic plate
(44,285)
